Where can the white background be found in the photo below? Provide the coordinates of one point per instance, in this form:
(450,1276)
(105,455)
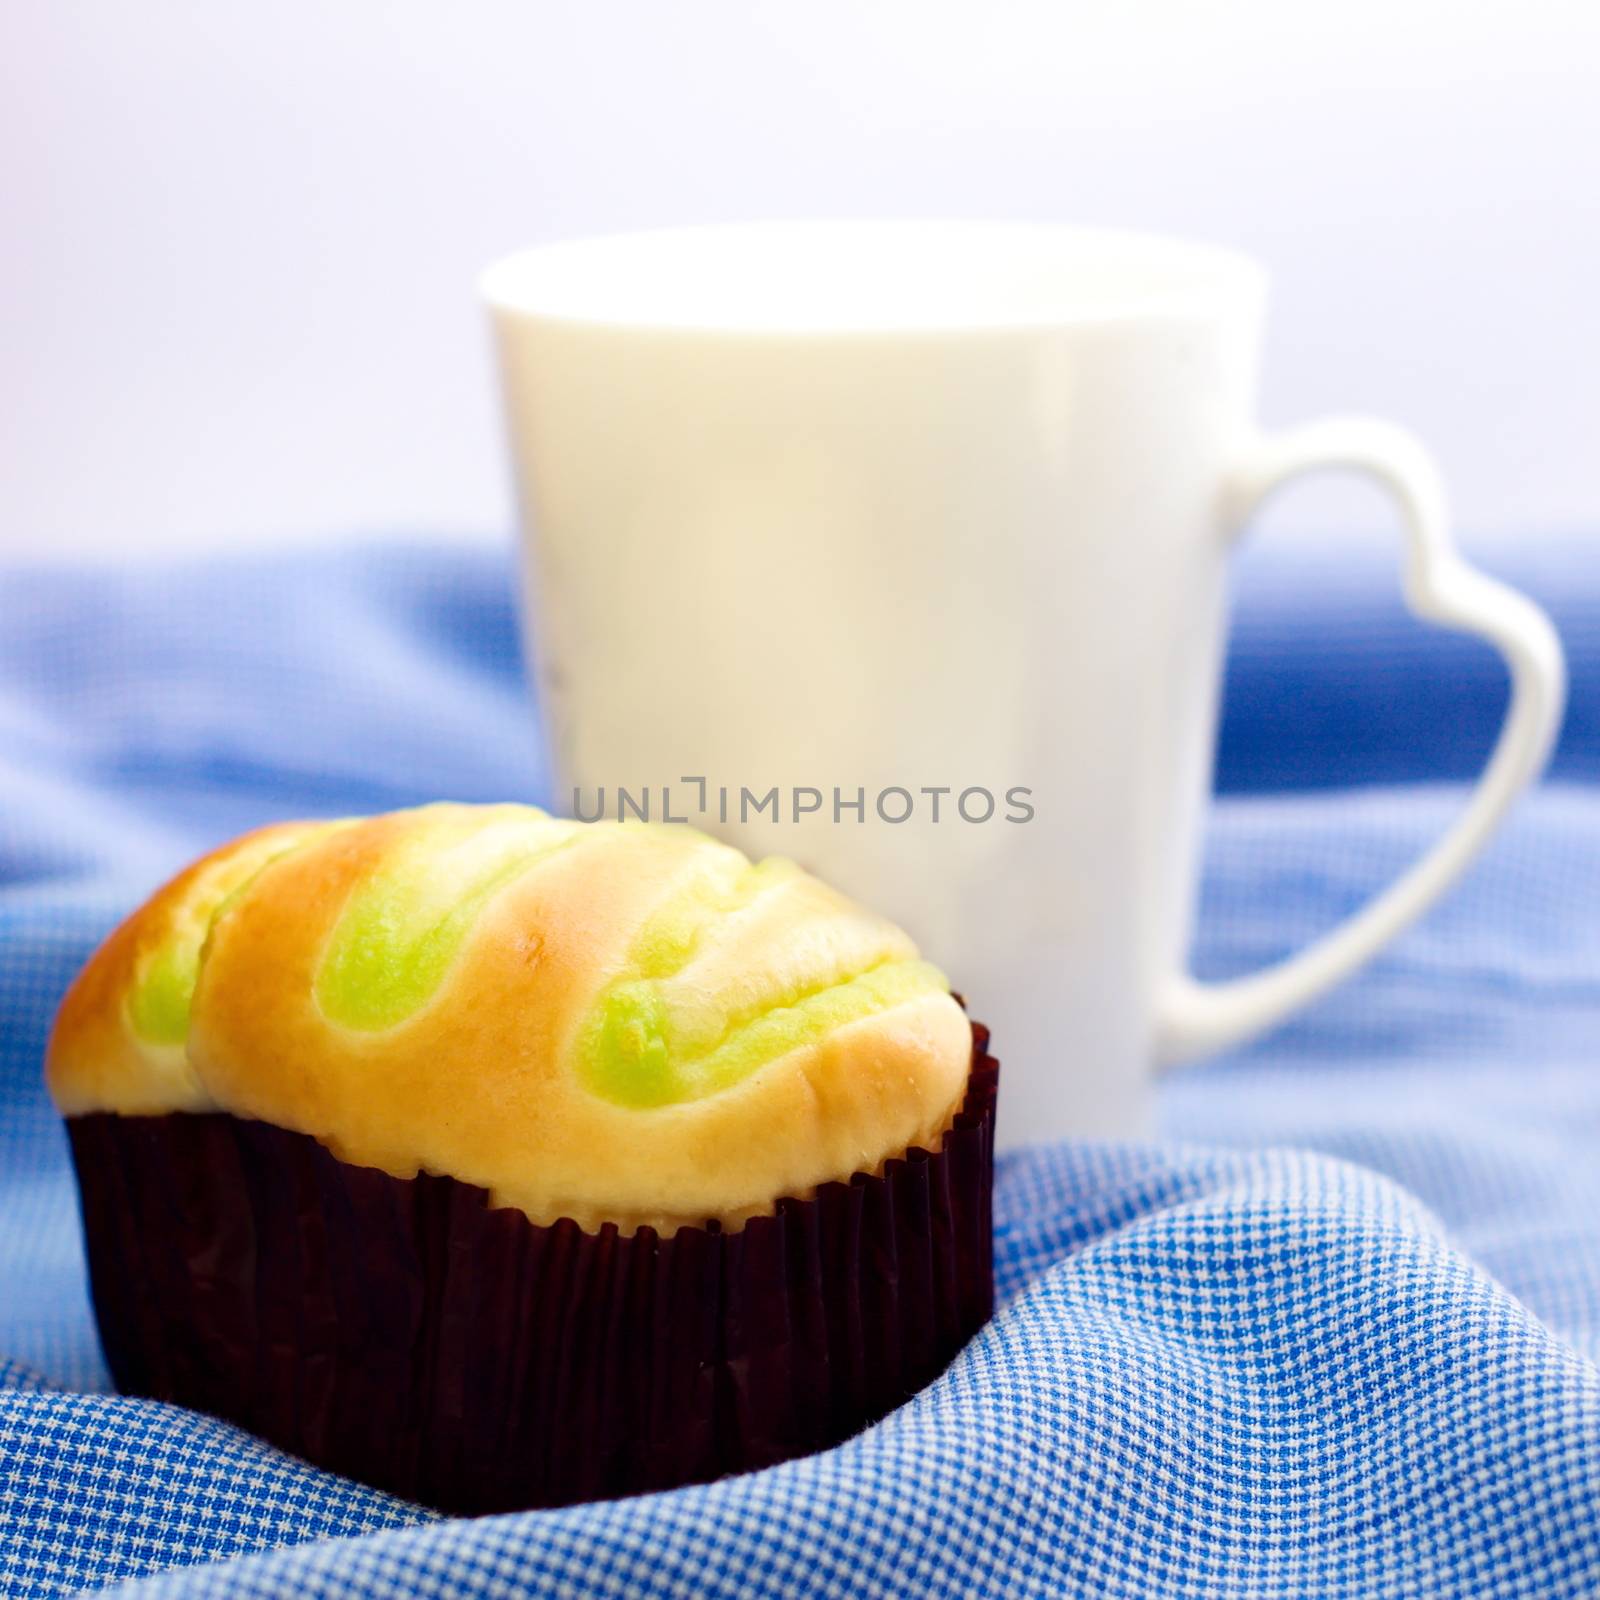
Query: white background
(240,238)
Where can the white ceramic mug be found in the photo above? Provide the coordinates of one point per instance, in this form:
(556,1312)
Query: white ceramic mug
(859,511)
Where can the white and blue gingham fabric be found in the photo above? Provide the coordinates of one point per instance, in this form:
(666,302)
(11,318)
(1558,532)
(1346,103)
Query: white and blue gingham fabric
(1337,1335)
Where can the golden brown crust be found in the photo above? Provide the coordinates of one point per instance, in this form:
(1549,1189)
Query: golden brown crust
(490,1076)
(95,1060)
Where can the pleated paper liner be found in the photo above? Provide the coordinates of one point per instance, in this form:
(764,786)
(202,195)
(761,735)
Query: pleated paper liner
(403,1332)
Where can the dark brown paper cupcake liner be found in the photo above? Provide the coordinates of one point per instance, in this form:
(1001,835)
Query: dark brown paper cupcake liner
(403,1332)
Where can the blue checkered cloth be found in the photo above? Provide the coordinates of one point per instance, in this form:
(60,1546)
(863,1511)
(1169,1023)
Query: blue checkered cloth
(1336,1336)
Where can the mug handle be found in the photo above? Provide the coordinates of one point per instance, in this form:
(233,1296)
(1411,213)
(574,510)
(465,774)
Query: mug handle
(1195,1018)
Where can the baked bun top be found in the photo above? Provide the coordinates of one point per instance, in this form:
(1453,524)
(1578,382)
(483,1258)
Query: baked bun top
(613,1022)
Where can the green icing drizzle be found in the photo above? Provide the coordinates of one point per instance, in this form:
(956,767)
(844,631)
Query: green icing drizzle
(163,993)
(630,1054)
(158,1008)
(401,930)
(639,1049)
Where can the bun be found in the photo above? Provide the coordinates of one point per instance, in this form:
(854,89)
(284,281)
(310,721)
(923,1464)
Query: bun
(613,1022)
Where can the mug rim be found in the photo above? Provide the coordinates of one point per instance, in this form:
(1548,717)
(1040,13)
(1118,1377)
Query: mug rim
(843,277)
